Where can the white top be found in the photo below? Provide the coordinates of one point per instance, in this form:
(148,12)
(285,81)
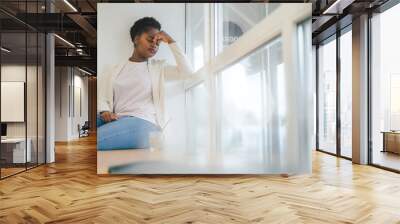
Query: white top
(133,92)
(160,71)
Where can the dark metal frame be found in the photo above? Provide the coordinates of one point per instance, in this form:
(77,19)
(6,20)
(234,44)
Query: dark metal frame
(44,75)
(338,97)
(336,38)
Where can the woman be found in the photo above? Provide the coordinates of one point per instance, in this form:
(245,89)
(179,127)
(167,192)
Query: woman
(131,95)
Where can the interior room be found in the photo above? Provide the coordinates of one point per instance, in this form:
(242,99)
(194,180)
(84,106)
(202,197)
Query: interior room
(22,99)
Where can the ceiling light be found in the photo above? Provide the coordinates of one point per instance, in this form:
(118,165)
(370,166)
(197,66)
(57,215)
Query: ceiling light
(64,40)
(5,50)
(70,5)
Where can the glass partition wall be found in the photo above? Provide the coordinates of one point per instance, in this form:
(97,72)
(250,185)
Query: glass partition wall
(22,77)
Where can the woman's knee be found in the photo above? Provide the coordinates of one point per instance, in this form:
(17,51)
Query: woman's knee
(125,133)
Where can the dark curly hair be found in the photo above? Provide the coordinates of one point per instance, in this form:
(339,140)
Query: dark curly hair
(142,25)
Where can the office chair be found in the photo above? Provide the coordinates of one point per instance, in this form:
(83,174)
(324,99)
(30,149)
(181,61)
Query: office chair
(84,130)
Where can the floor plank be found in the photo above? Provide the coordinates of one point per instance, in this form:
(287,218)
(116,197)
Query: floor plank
(70,191)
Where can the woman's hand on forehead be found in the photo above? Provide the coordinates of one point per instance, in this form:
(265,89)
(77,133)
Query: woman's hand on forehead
(163,36)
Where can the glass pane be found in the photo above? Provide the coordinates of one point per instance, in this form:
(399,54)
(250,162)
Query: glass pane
(275,107)
(13,80)
(31,100)
(197,32)
(198,123)
(346,94)
(327,97)
(241,91)
(234,19)
(305,91)
(386,89)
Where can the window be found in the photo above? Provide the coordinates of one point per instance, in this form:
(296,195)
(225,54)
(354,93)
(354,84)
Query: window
(197,27)
(234,19)
(247,110)
(394,101)
(346,94)
(198,119)
(240,98)
(305,90)
(385,89)
(327,97)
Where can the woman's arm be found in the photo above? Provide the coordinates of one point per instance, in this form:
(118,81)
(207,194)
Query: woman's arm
(104,93)
(103,87)
(183,68)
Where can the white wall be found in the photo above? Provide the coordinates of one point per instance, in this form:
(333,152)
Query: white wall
(66,121)
(114,45)
(80,83)
(17,73)
(61,103)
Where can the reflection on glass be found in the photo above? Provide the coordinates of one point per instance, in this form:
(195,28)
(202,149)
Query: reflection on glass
(253,110)
(327,97)
(235,19)
(385,89)
(241,110)
(346,94)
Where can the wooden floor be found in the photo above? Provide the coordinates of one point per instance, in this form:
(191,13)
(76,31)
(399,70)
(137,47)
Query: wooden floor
(69,191)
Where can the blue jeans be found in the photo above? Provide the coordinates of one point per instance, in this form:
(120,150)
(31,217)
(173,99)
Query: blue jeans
(127,132)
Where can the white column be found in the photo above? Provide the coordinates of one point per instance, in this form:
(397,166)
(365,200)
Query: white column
(50,92)
(360,90)
(50,99)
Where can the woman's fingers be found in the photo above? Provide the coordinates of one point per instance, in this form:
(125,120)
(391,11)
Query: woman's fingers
(106,116)
(157,38)
(114,117)
(165,37)
(160,36)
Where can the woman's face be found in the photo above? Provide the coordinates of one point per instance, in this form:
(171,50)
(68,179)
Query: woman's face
(145,46)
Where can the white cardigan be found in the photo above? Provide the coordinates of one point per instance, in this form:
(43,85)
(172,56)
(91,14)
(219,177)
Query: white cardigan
(159,71)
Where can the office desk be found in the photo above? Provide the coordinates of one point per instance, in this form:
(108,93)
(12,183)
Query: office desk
(391,141)
(13,150)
